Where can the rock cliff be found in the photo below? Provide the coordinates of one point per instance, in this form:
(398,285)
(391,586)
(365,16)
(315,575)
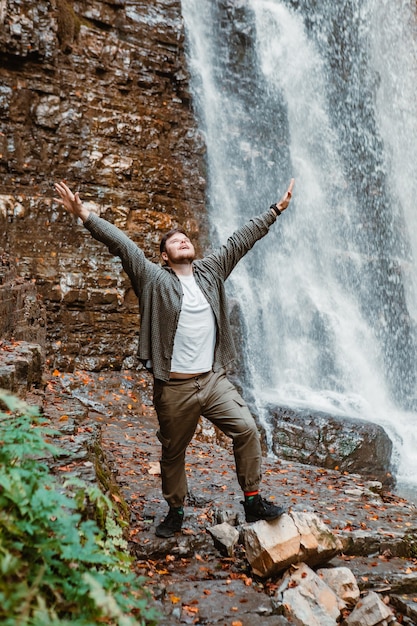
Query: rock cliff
(95,93)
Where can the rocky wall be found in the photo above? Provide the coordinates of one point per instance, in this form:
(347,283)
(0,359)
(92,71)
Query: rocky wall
(22,313)
(95,93)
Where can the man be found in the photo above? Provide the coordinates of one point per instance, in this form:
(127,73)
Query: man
(185,339)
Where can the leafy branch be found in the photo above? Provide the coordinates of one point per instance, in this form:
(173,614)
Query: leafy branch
(57,565)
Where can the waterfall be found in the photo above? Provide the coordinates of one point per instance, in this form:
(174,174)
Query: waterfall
(325,93)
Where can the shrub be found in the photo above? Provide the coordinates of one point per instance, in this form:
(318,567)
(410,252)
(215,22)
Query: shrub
(57,566)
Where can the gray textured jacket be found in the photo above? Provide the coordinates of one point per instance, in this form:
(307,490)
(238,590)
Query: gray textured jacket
(159,289)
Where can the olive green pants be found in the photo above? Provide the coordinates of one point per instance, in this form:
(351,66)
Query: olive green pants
(179,404)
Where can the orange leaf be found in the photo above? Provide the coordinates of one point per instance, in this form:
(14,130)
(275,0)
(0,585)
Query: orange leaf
(174,599)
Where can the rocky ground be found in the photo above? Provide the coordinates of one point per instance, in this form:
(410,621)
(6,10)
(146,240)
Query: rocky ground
(191,581)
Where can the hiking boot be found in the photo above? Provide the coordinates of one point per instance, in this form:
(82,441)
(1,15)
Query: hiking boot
(257,508)
(171,524)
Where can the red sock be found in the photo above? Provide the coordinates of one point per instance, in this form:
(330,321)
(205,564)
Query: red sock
(250,494)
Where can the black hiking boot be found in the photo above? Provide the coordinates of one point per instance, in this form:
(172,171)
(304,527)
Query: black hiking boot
(257,508)
(171,524)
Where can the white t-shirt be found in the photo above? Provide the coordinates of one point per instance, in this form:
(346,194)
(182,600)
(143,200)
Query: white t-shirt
(195,338)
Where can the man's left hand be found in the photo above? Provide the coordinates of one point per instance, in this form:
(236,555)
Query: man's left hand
(286,198)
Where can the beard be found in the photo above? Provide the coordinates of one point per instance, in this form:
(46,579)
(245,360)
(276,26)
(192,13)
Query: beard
(187,255)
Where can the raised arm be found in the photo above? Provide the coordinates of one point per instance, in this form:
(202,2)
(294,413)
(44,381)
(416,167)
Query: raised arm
(136,265)
(244,238)
(71,201)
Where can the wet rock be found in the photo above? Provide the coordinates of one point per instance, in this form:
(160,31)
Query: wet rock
(219,602)
(331,441)
(407,605)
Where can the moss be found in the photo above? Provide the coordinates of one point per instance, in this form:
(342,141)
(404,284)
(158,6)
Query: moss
(410,541)
(68,25)
(107,482)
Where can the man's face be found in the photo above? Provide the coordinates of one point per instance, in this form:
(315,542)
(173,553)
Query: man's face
(178,249)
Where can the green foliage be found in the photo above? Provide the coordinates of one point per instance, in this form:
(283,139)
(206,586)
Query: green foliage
(57,566)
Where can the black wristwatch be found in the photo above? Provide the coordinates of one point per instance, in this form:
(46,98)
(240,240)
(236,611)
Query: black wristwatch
(276,209)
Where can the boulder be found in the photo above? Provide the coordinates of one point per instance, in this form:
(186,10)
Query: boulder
(342,581)
(304,598)
(225,537)
(292,538)
(332,441)
(370,611)
(21,366)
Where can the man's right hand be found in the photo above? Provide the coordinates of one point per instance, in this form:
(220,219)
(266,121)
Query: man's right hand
(70,201)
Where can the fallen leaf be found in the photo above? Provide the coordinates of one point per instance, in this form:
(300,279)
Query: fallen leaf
(174,599)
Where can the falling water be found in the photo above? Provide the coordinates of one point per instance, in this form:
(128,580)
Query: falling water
(324,92)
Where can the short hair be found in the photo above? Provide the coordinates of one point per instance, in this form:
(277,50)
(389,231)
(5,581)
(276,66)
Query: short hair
(168,235)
